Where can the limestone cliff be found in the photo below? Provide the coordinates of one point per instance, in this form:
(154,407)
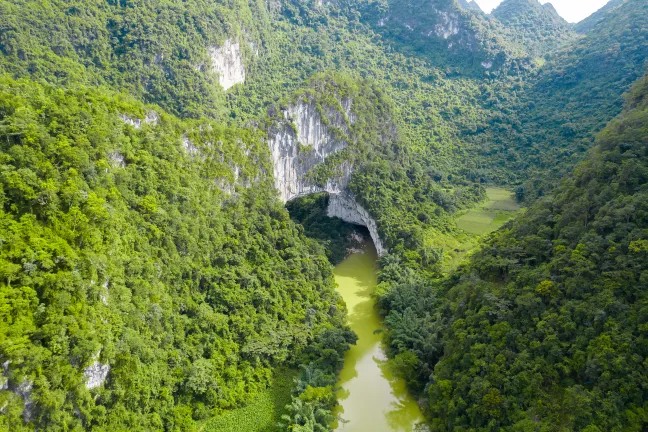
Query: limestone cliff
(301,141)
(227,62)
(345,207)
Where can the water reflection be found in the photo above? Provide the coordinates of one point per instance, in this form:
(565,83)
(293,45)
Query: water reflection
(371,399)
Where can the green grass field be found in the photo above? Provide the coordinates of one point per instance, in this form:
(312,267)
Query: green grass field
(262,413)
(500,207)
(486,217)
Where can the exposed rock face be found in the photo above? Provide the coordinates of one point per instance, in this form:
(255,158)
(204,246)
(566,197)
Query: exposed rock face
(227,62)
(189,146)
(296,151)
(96,374)
(303,141)
(24,390)
(343,206)
(116,160)
(448,25)
(104,295)
(151,118)
(4,377)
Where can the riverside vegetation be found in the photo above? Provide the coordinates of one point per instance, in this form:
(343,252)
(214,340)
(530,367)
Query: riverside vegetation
(143,247)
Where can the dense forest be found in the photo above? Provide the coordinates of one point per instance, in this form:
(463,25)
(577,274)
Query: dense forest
(553,121)
(120,249)
(537,27)
(153,278)
(544,328)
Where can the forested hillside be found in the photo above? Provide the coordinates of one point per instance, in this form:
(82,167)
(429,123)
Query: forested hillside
(537,27)
(470,5)
(546,129)
(123,252)
(151,277)
(178,293)
(451,36)
(545,327)
(159,52)
(599,16)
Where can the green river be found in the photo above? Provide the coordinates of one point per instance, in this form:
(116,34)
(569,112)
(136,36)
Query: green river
(371,399)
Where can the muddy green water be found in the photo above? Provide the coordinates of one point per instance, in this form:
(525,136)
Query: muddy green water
(371,399)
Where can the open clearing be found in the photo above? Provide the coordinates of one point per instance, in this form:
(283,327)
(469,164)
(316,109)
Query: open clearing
(499,208)
(262,413)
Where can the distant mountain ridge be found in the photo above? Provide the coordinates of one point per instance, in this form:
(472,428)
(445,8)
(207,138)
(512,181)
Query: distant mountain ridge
(450,34)
(560,293)
(588,23)
(539,28)
(572,97)
(470,5)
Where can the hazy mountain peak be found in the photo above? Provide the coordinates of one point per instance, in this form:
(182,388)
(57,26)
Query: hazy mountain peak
(550,7)
(470,5)
(600,15)
(539,28)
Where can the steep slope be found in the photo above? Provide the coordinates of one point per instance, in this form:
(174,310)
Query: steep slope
(599,16)
(545,131)
(180,55)
(545,328)
(537,27)
(470,5)
(449,35)
(222,276)
(179,302)
(141,285)
(295,41)
(371,173)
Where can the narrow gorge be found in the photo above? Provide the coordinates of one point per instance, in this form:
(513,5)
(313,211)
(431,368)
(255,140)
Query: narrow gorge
(323,216)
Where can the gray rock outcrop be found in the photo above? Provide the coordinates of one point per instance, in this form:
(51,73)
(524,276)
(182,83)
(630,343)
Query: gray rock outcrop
(227,62)
(345,207)
(95,374)
(4,376)
(301,142)
(150,118)
(24,390)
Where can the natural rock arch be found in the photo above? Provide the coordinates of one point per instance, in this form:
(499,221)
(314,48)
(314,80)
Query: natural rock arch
(299,142)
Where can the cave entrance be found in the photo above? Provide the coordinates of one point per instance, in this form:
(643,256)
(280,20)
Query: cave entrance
(338,237)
